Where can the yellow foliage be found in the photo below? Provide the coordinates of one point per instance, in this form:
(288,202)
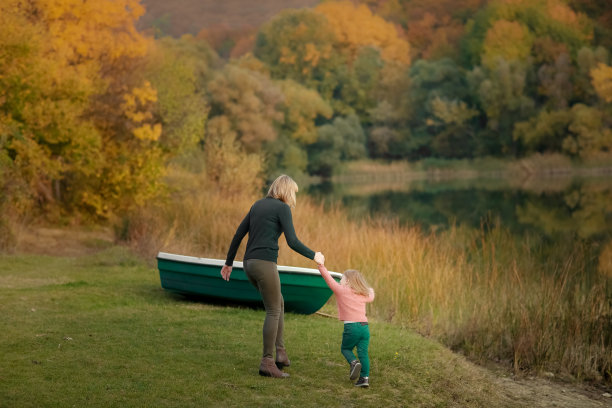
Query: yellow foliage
(507,39)
(357,26)
(136,107)
(72,103)
(452,112)
(93,29)
(303,105)
(148,132)
(602,81)
(312,54)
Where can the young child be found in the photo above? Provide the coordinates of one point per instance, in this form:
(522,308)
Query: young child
(352,294)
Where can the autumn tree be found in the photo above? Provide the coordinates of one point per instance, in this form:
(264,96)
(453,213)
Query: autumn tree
(601,13)
(79,134)
(43,102)
(299,45)
(581,131)
(356,27)
(433,29)
(245,104)
(536,18)
(509,40)
(602,81)
(587,60)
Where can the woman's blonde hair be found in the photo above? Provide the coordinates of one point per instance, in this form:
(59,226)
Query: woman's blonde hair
(284,189)
(357,282)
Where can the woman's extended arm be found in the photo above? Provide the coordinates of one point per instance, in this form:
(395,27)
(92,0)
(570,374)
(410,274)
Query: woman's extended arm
(241,231)
(294,243)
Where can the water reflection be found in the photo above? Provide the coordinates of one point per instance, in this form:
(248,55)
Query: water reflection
(556,208)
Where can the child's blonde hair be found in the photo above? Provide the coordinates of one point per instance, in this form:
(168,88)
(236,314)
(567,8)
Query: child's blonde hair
(284,189)
(357,282)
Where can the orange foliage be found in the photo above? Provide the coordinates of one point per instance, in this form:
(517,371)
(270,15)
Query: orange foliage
(357,26)
(561,12)
(433,36)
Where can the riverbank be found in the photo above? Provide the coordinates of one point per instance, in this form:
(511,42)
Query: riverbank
(86,323)
(538,165)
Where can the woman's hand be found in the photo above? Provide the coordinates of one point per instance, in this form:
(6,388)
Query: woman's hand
(319,258)
(226,272)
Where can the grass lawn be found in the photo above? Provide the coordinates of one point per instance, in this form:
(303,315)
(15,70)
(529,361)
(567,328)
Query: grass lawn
(98,330)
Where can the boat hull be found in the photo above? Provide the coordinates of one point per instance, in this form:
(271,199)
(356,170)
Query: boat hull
(304,290)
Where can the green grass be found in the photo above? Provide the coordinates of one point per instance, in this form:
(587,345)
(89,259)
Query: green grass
(98,330)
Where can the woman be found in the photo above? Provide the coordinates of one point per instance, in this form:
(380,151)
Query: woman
(267,219)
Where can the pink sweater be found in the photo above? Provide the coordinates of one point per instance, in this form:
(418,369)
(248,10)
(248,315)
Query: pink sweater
(351,306)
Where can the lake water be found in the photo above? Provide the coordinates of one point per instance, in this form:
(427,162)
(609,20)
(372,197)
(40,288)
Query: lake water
(554,208)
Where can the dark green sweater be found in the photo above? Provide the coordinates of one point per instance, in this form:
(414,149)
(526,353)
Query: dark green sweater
(267,219)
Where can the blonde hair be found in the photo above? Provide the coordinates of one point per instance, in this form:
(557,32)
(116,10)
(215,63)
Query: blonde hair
(284,189)
(357,282)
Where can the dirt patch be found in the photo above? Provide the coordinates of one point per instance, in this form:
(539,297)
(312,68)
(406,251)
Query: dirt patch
(542,393)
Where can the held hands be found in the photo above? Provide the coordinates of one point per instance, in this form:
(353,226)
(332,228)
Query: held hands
(319,258)
(225,272)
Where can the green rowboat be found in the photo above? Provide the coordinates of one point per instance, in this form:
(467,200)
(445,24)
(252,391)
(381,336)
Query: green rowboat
(304,290)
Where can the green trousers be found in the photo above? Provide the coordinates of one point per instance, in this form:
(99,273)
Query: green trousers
(264,276)
(357,335)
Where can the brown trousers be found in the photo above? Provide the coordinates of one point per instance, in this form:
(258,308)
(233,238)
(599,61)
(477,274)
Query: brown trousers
(264,276)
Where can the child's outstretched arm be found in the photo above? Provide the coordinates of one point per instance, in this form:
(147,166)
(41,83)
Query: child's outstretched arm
(371,295)
(333,285)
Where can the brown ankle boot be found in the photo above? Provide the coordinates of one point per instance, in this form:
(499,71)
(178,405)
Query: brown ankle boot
(267,368)
(281,358)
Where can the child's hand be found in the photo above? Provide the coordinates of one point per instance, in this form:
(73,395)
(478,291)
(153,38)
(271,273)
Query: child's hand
(319,258)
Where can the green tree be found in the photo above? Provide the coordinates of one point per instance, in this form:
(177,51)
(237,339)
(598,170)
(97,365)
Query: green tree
(341,140)
(303,108)
(589,134)
(580,131)
(500,94)
(543,132)
(454,133)
(178,69)
(441,80)
(358,88)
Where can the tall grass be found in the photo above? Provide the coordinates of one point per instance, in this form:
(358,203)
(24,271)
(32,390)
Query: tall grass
(482,292)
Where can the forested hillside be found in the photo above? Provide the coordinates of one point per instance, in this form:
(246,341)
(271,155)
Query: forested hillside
(93,110)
